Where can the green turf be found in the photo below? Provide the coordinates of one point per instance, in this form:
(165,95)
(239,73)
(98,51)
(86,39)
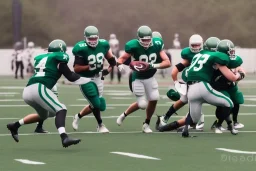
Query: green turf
(93,153)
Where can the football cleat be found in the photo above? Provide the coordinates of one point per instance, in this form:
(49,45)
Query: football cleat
(238,125)
(66,142)
(232,130)
(120,119)
(185,133)
(217,130)
(14,131)
(163,122)
(200,126)
(102,129)
(75,122)
(40,130)
(146,128)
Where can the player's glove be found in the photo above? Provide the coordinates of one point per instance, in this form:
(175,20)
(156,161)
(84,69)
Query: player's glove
(181,88)
(120,66)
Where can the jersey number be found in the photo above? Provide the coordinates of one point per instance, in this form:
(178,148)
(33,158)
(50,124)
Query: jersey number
(95,61)
(198,61)
(149,59)
(39,68)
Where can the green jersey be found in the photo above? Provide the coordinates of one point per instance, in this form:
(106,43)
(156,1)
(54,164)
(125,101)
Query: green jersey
(202,65)
(46,68)
(187,54)
(92,56)
(149,55)
(219,81)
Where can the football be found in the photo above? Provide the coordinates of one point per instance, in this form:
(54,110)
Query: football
(139,66)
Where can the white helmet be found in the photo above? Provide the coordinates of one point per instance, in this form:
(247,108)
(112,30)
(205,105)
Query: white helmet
(31,44)
(196,43)
(112,36)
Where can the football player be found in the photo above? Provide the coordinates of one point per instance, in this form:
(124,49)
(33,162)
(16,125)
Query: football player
(229,88)
(48,69)
(144,85)
(200,91)
(187,54)
(89,55)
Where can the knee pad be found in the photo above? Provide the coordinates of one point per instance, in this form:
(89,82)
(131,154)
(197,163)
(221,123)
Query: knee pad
(102,104)
(142,103)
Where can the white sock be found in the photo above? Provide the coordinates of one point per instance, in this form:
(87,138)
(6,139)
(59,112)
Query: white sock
(21,122)
(61,130)
(202,118)
(76,116)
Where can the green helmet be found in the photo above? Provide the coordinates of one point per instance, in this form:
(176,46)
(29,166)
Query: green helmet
(144,35)
(91,35)
(227,47)
(57,45)
(211,43)
(156,34)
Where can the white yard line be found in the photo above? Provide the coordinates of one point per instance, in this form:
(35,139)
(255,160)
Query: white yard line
(236,151)
(133,155)
(26,161)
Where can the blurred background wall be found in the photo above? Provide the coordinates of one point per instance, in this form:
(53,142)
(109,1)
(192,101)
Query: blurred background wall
(44,20)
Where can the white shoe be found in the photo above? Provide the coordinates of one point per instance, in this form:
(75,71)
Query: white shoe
(200,126)
(218,130)
(120,119)
(238,125)
(146,128)
(102,129)
(75,122)
(222,128)
(163,122)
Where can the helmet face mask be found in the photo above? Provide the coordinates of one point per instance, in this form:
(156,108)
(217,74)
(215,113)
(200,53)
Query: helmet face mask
(232,53)
(145,41)
(92,40)
(196,43)
(91,35)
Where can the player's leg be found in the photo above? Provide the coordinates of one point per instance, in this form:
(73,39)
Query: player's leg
(17,66)
(132,108)
(21,70)
(170,126)
(39,127)
(238,98)
(96,104)
(152,94)
(224,103)
(119,75)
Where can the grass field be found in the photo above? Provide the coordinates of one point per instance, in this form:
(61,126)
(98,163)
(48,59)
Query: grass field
(94,152)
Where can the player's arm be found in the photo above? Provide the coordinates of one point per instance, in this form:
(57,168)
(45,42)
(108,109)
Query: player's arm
(71,76)
(112,62)
(165,61)
(122,59)
(229,74)
(79,65)
(178,68)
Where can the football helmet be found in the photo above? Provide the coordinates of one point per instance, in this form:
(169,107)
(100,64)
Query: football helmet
(156,34)
(211,43)
(31,45)
(91,35)
(18,46)
(227,47)
(57,45)
(144,35)
(196,43)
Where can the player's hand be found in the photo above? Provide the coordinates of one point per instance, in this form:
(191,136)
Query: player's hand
(105,72)
(181,88)
(242,75)
(120,67)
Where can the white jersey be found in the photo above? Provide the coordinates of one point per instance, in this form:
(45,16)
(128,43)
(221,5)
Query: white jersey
(114,45)
(30,54)
(18,55)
